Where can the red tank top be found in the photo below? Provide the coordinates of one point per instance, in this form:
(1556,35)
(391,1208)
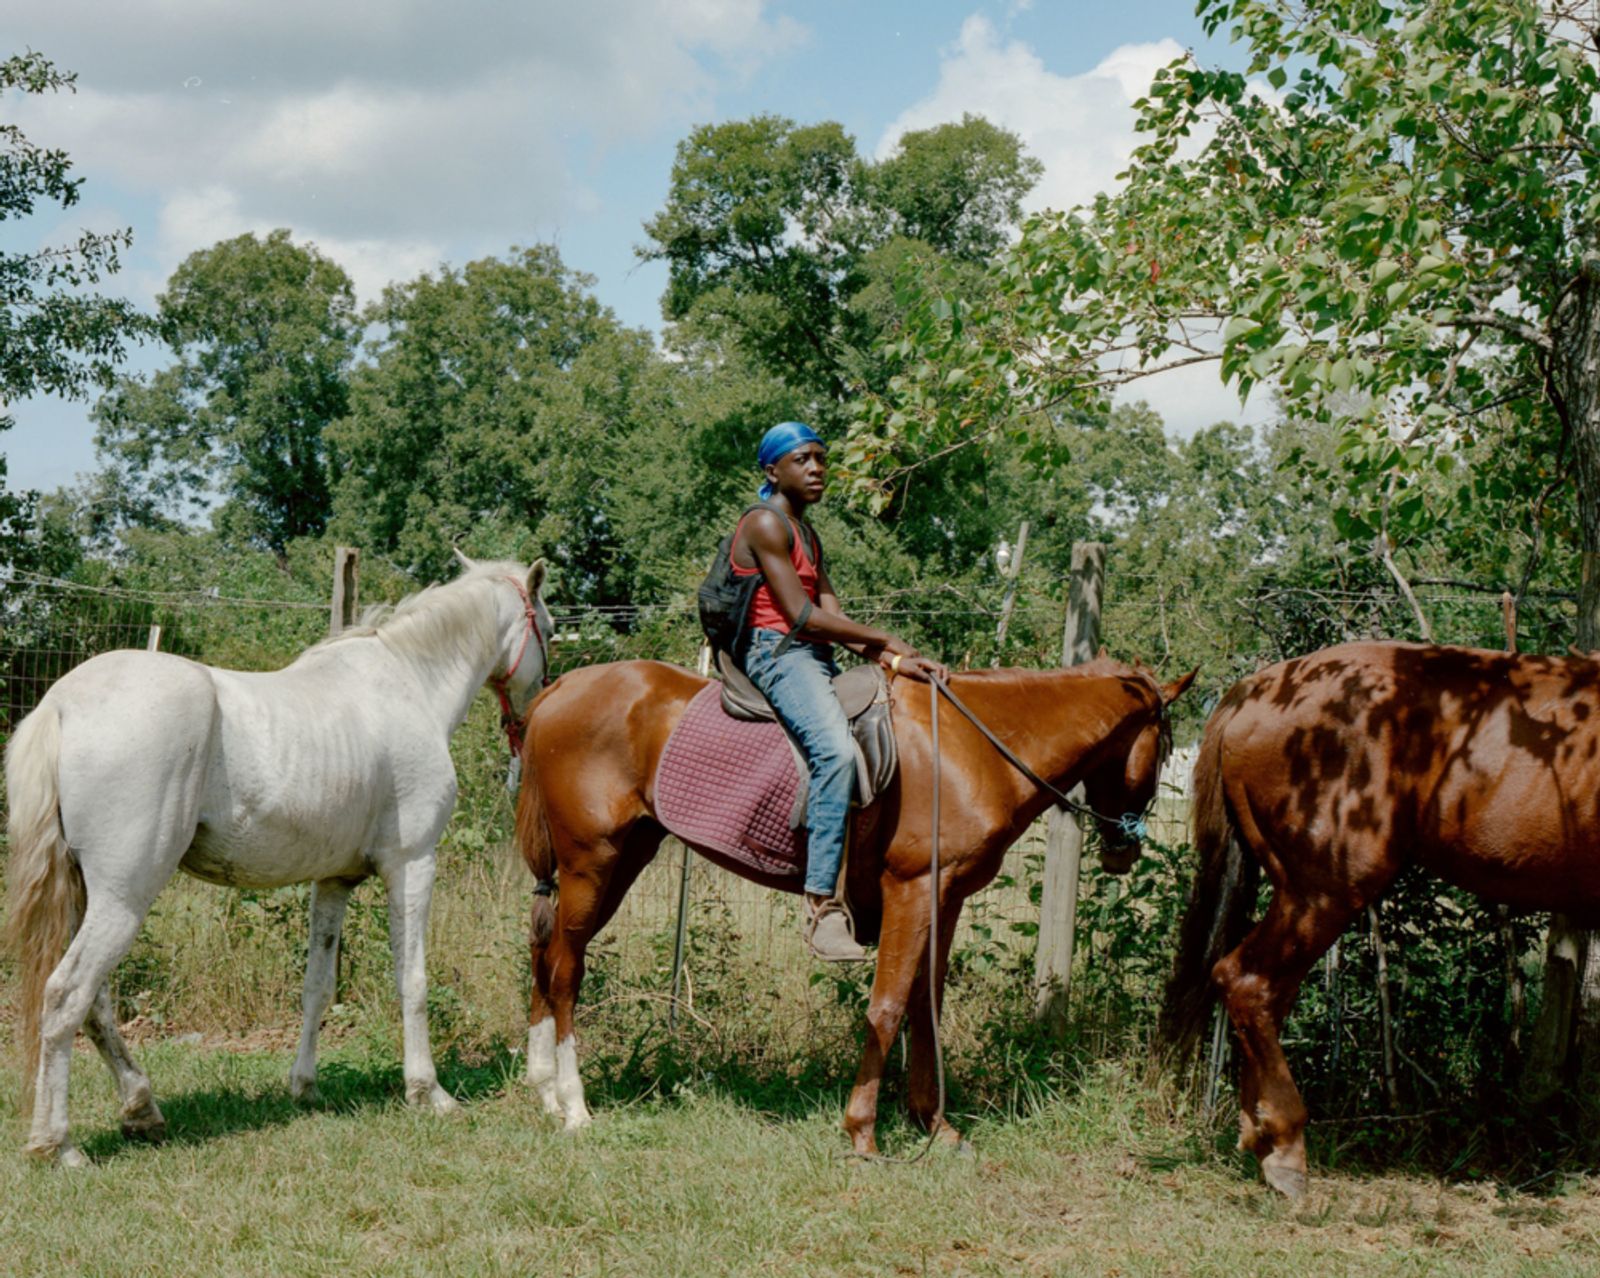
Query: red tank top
(764,611)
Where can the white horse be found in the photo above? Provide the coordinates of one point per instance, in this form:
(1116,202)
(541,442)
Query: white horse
(137,764)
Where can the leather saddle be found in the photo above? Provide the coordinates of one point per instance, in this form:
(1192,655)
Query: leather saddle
(863,692)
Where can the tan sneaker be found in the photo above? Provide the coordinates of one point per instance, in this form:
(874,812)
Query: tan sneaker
(828,934)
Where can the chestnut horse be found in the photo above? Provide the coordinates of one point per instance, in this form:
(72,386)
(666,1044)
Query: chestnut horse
(587,808)
(1336,770)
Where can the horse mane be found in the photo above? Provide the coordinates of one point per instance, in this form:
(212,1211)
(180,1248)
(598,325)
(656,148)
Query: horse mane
(452,615)
(1101,666)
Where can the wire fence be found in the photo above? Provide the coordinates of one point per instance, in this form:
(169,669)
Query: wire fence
(48,626)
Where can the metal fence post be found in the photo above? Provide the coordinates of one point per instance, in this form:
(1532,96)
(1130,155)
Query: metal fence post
(1013,571)
(681,938)
(1058,905)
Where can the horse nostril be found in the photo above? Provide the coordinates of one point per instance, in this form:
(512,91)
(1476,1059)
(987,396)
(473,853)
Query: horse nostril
(1118,859)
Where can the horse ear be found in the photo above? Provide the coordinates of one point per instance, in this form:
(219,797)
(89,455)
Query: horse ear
(535,578)
(466,564)
(1101,655)
(1172,691)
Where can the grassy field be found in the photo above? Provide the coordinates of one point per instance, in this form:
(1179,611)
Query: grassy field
(717,1147)
(702,1182)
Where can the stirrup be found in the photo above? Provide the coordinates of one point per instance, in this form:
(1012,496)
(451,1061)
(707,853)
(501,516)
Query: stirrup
(815,914)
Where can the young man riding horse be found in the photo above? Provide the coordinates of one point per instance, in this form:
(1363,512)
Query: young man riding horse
(795,674)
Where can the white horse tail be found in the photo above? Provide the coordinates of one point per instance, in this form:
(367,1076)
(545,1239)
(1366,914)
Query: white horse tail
(45,884)
(533,837)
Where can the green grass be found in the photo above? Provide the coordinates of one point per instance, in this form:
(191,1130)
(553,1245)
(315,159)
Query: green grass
(701,1182)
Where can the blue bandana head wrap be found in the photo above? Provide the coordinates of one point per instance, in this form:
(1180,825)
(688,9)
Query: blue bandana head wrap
(778,443)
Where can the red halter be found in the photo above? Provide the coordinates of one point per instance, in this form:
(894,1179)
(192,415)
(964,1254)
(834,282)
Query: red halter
(509,722)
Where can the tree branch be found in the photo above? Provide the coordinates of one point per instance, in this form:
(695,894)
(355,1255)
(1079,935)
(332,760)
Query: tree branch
(1506,324)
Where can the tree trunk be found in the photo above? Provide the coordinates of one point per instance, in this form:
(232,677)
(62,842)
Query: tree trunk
(1565,1044)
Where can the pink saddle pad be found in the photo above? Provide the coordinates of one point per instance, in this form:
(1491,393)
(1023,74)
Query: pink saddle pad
(729,785)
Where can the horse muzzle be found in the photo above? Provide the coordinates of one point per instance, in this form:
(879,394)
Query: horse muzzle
(1117,856)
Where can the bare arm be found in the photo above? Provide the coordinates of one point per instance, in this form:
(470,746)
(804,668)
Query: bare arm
(766,536)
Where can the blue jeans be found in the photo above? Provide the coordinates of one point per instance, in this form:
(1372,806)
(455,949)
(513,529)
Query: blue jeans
(799,688)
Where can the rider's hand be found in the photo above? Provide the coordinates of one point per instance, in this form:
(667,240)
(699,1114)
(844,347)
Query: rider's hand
(912,663)
(919,668)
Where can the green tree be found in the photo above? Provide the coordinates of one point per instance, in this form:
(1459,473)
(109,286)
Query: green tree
(264,331)
(1403,243)
(55,338)
(493,399)
(773,231)
(1397,232)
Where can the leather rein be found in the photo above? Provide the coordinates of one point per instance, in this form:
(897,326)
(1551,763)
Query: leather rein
(510,724)
(1132,825)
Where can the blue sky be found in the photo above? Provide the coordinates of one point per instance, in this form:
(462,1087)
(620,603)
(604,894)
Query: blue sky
(399,133)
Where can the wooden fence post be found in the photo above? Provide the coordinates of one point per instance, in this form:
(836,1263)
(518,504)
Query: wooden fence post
(346,588)
(1515,984)
(342,615)
(1058,905)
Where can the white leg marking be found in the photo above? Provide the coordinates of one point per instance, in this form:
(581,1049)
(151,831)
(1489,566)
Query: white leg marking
(569,1087)
(542,1064)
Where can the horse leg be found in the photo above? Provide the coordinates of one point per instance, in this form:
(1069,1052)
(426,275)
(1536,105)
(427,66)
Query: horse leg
(328,900)
(141,1118)
(1258,982)
(593,883)
(923,1089)
(106,933)
(902,948)
(409,883)
(541,1070)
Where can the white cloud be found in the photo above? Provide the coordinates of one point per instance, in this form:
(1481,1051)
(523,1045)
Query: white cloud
(1079,126)
(198,218)
(1192,398)
(393,129)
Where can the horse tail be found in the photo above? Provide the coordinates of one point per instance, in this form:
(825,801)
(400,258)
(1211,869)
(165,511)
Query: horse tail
(1220,900)
(533,837)
(45,885)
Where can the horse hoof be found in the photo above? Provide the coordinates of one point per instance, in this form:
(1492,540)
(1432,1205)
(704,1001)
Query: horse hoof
(1289,1181)
(62,1155)
(433,1098)
(575,1123)
(68,1156)
(963,1149)
(150,1130)
(303,1091)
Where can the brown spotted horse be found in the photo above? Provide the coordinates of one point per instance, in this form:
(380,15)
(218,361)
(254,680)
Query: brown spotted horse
(1333,772)
(588,810)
